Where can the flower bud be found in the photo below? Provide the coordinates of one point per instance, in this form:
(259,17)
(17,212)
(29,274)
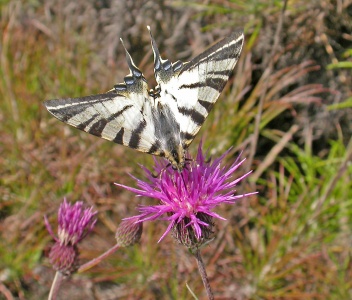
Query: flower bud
(129,232)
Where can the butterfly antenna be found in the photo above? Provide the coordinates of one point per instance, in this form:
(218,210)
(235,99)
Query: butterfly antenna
(183,179)
(162,170)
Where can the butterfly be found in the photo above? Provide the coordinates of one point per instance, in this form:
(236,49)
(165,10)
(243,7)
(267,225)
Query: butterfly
(162,121)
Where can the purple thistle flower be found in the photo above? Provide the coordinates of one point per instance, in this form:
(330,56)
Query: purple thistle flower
(189,197)
(75,223)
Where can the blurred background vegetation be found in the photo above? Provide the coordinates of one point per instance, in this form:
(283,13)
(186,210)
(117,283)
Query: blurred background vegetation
(288,107)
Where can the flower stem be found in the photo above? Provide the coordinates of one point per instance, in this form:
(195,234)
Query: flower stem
(55,286)
(203,274)
(97,260)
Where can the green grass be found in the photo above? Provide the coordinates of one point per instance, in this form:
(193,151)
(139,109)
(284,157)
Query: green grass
(292,241)
(303,213)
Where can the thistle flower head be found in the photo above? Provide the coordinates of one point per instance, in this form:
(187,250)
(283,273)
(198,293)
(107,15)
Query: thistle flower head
(75,223)
(187,198)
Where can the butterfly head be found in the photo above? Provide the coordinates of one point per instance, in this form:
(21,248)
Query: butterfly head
(176,157)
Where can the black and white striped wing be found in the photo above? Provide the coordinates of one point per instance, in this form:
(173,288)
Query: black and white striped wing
(195,86)
(110,116)
(123,115)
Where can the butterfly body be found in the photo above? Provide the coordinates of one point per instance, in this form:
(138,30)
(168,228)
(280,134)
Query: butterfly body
(163,121)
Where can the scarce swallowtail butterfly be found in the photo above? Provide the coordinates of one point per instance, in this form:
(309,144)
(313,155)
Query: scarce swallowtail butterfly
(162,121)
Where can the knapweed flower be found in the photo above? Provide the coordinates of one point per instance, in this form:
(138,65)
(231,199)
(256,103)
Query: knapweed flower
(187,198)
(129,232)
(74,223)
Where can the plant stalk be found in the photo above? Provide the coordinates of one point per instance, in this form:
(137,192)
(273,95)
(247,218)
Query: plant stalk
(97,260)
(203,274)
(55,286)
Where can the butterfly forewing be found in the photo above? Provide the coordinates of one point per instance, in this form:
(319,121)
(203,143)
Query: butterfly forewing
(109,116)
(200,82)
